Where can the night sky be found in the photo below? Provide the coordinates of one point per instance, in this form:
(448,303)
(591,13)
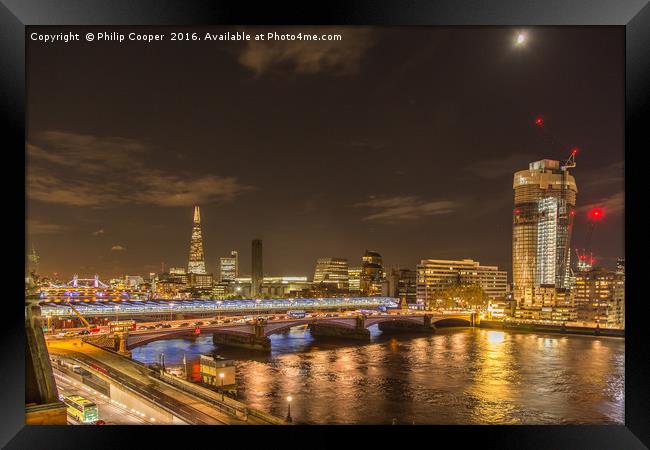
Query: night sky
(398,140)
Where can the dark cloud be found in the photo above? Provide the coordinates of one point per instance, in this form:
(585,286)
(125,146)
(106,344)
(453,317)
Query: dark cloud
(89,171)
(500,167)
(612,205)
(35,227)
(404,208)
(309,57)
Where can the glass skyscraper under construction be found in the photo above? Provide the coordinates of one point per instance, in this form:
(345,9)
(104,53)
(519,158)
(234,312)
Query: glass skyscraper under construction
(545,199)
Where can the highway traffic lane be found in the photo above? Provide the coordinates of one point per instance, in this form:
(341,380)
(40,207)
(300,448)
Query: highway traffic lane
(192,414)
(108,411)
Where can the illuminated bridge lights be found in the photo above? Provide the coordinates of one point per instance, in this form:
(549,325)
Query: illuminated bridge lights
(166,306)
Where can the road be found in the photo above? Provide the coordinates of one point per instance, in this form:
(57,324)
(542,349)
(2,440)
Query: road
(109,410)
(138,379)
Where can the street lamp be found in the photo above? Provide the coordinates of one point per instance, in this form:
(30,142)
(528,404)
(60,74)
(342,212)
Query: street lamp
(221,375)
(288,419)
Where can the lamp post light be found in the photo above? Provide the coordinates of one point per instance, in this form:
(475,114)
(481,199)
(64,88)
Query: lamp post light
(288,419)
(221,375)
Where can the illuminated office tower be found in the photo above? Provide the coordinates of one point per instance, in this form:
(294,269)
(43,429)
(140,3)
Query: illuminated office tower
(229,267)
(545,199)
(197,262)
(257,269)
(600,296)
(354,280)
(332,272)
(372,273)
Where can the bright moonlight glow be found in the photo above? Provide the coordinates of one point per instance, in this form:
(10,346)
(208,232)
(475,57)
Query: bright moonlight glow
(520,39)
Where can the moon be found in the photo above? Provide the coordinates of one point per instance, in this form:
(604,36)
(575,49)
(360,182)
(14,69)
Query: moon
(521,39)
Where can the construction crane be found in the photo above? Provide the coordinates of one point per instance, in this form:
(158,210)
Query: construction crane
(585,256)
(91,328)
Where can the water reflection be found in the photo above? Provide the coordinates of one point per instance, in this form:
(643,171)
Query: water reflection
(456,376)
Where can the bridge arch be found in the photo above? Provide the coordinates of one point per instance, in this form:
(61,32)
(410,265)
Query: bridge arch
(452,322)
(134,340)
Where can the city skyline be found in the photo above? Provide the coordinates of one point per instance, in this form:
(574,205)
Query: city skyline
(329,174)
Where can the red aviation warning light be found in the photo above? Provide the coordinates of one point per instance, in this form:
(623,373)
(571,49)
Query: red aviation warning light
(596,214)
(539,121)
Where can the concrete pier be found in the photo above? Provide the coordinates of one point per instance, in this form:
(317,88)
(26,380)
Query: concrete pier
(339,332)
(405,327)
(250,342)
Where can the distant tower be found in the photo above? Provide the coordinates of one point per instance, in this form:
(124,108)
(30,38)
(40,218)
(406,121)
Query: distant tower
(257,272)
(32,261)
(197,262)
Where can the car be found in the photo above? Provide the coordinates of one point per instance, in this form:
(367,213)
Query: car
(213,322)
(227,320)
(84,332)
(70,333)
(166,326)
(184,324)
(99,422)
(159,325)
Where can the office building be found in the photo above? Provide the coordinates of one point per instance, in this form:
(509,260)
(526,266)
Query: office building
(435,275)
(600,297)
(372,274)
(354,281)
(229,267)
(177,271)
(196,263)
(133,281)
(407,286)
(200,280)
(257,269)
(332,272)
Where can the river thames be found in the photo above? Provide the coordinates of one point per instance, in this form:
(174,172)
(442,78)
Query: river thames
(456,376)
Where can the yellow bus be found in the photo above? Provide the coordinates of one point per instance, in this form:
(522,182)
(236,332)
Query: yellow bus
(81,409)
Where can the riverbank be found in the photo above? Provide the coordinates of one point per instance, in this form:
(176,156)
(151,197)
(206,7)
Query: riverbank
(548,328)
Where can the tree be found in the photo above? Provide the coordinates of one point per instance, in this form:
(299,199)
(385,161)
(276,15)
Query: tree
(459,296)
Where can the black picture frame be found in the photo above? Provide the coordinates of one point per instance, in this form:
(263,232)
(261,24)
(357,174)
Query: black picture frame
(634,15)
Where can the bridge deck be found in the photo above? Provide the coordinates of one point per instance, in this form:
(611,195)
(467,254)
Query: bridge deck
(138,338)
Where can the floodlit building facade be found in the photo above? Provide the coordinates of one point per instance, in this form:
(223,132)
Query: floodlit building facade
(600,297)
(435,275)
(332,272)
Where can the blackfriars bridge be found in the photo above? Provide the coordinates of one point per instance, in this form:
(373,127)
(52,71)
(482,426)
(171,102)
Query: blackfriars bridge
(256,335)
